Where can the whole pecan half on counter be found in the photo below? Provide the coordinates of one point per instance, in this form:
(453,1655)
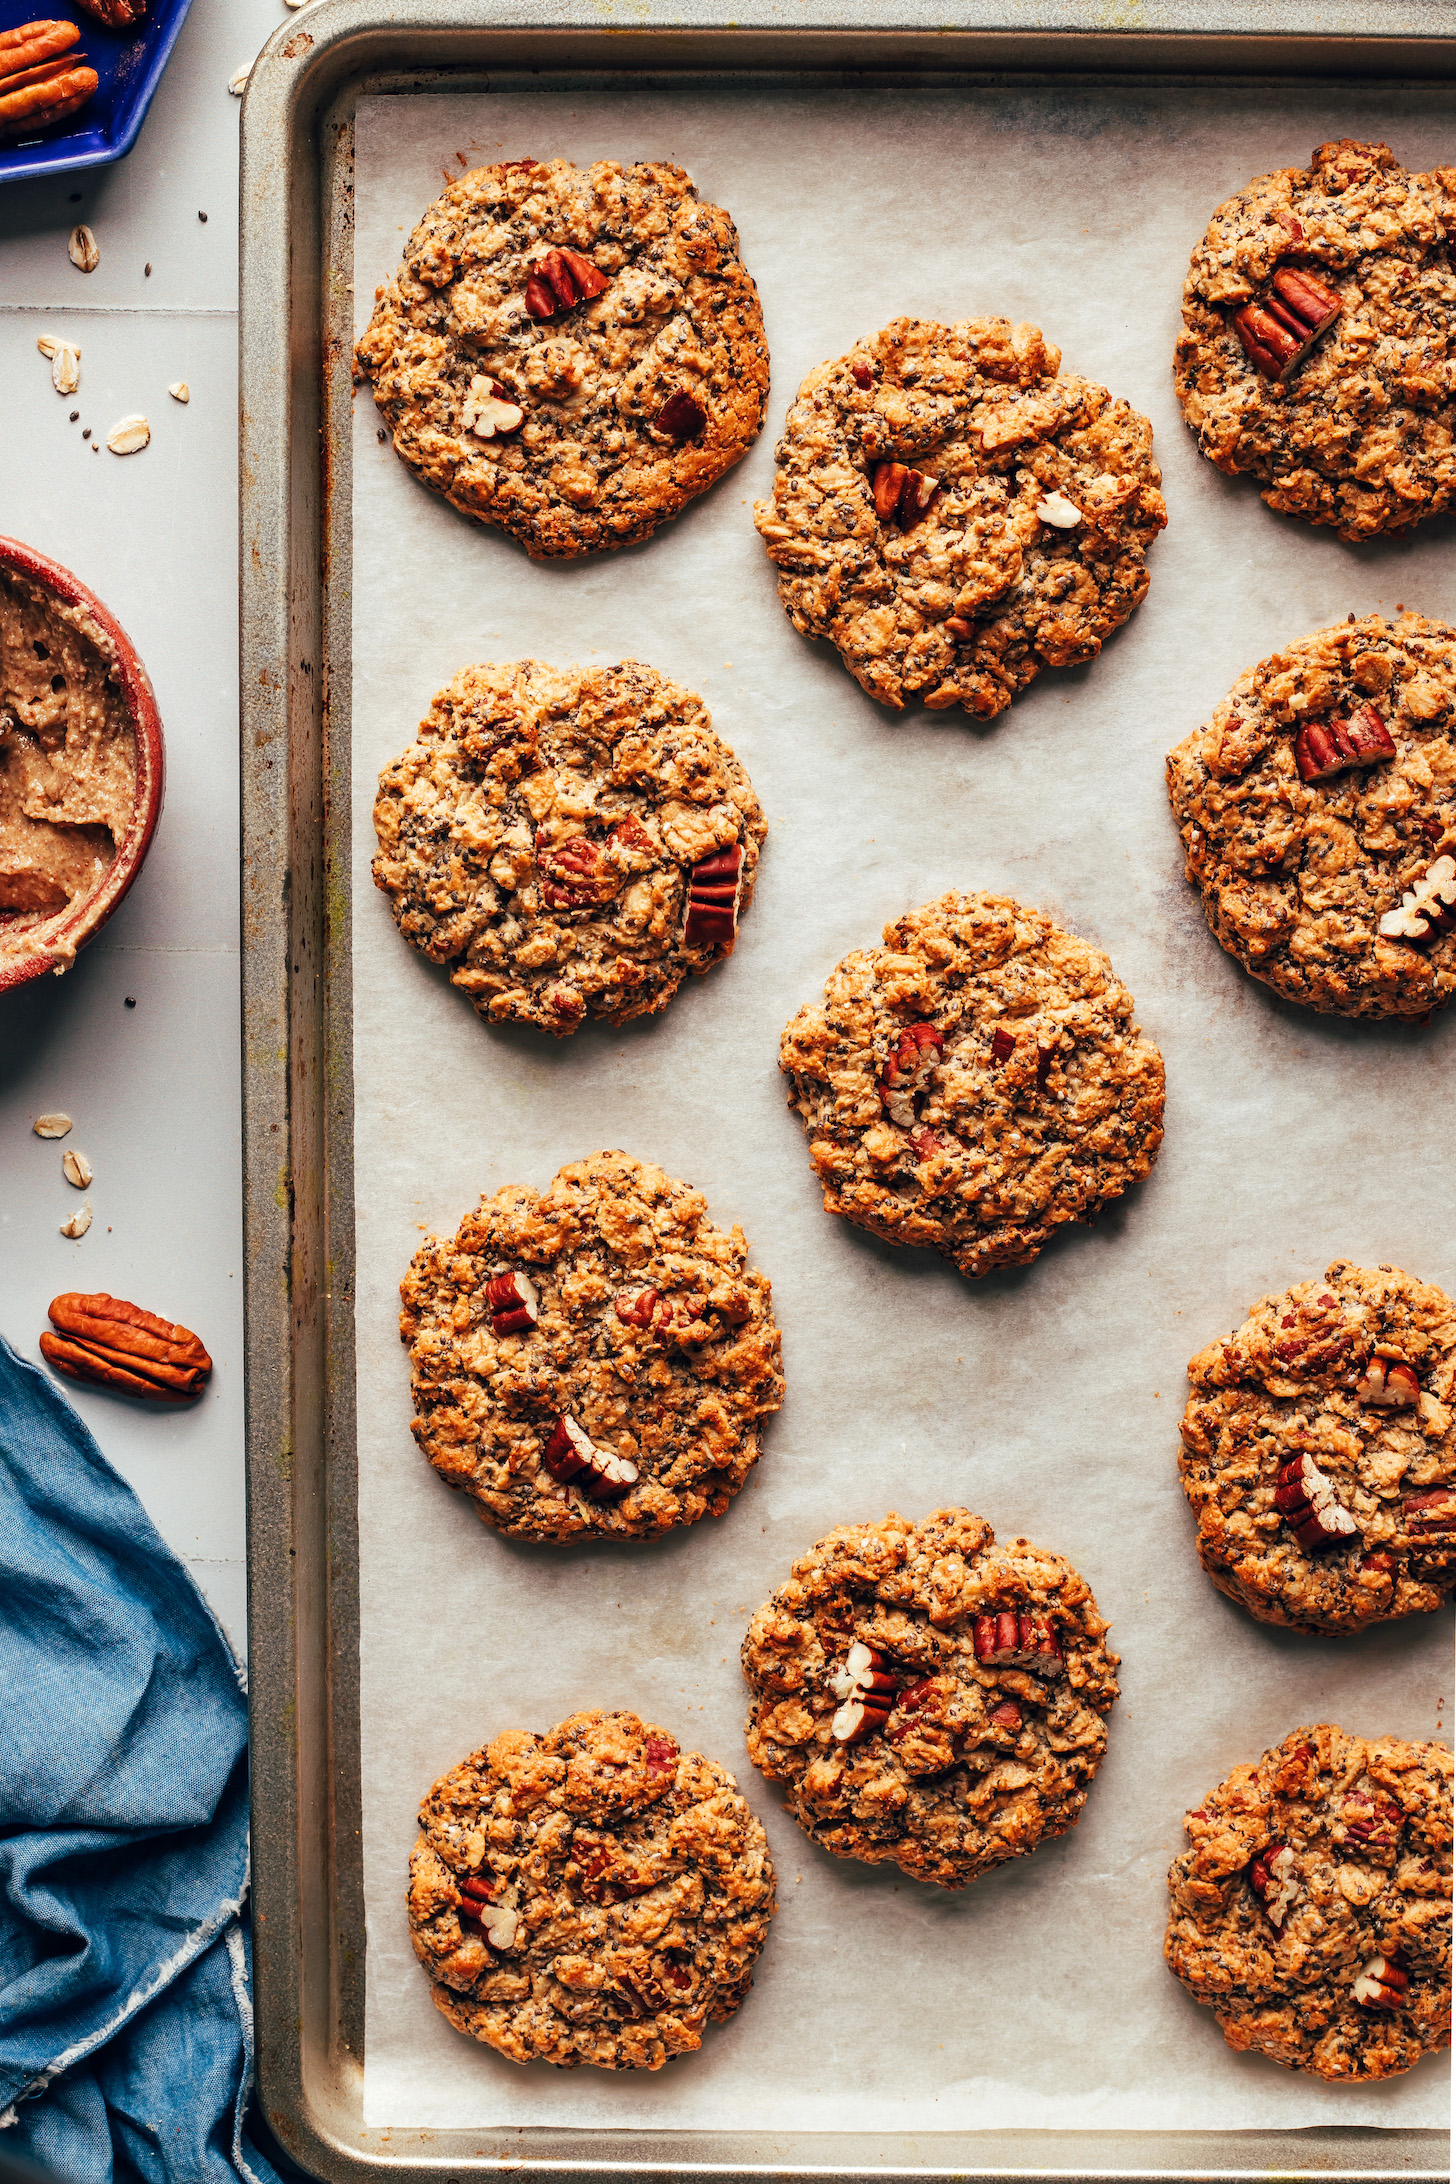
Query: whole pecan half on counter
(118,1345)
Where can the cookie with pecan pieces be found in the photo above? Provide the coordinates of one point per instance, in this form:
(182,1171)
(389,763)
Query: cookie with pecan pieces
(570,353)
(567,839)
(1312,1912)
(954,515)
(1319,1452)
(974,1084)
(594,1895)
(1317,811)
(929,1698)
(592,1358)
(1318,349)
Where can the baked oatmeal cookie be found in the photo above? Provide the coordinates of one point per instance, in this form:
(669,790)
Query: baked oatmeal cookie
(594,1895)
(928,1697)
(1318,349)
(567,839)
(1319,1454)
(595,1358)
(1312,1913)
(1318,815)
(954,516)
(570,354)
(975,1083)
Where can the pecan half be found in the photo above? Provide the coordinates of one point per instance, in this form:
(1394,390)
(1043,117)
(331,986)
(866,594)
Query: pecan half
(118,1345)
(1388,1385)
(715,888)
(571,1454)
(513,1302)
(902,493)
(1011,1640)
(41,79)
(1381,1984)
(1272,1878)
(906,1073)
(1324,748)
(1428,908)
(1281,330)
(561,279)
(1310,1507)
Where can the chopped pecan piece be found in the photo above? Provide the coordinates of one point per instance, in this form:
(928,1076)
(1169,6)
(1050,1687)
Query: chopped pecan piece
(118,1345)
(902,493)
(1310,1507)
(682,417)
(714,891)
(1282,330)
(1370,1829)
(1324,748)
(488,411)
(513,1302)
(559,280)
(1431,1516)
(571,1454)
(575,874)
(906,1074)
(867,1686)
(924,1143)
(1007,1715)
(1009,1640)
(1058,511)
(1388,1385)
(636,1307)
(1272,1878)
(1003,1044)
(1428,908)
(1381,1984)
(862,375)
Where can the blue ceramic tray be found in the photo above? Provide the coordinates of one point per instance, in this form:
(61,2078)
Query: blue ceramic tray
(129,63)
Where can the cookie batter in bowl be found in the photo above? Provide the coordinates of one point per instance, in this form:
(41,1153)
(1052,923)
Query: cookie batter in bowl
(80,764)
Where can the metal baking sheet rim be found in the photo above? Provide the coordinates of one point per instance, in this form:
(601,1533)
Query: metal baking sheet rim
(295,394)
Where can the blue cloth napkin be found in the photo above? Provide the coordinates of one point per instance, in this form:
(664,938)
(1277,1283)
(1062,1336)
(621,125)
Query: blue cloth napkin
(125,2021)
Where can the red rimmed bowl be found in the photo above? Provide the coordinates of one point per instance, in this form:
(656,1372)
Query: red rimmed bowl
(57,937)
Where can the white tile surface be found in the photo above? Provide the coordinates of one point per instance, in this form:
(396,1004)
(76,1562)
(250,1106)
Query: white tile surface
(154,1090)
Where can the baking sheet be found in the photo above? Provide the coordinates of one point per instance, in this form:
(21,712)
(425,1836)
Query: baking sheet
(1047,1398)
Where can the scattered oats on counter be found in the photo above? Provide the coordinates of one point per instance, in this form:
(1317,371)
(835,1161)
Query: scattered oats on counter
(77,1169)
(82,250)
(65,362)
(180,391)
(52,1126)
(129,436)
(77,1223)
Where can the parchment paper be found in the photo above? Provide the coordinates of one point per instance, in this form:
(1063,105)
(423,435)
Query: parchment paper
(1046,1398)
